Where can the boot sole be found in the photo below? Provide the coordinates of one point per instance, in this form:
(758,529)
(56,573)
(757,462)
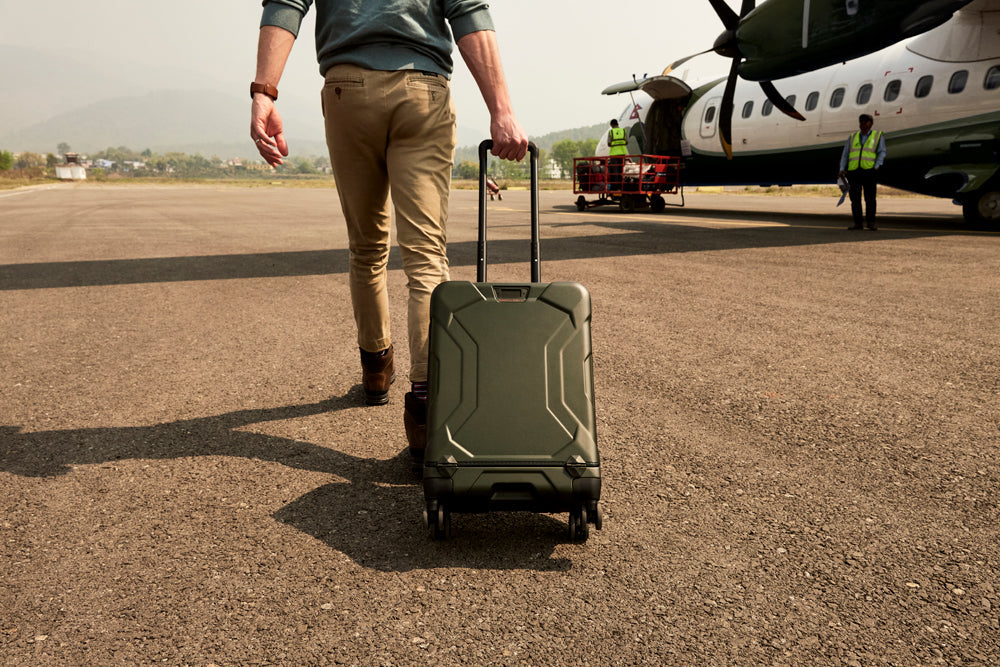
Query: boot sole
(379,397)
(376,398)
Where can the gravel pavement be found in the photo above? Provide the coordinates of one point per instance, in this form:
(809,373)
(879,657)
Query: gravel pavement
(799,428)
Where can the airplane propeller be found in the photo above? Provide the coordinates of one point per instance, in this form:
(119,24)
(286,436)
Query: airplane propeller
(728,46)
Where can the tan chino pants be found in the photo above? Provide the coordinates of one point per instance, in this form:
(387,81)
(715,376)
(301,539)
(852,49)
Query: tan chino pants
(392,132)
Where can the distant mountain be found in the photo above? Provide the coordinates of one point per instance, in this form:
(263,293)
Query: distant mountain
(470,152)
(69,96)
(546,141)
(43,83)
(190,121)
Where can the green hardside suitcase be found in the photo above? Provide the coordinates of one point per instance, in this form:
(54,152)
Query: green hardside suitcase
(511,422)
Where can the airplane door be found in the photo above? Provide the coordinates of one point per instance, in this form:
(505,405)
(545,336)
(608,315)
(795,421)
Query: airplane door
(839,115)
(710,118)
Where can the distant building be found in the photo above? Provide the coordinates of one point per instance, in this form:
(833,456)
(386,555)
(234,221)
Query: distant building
(71,170)
(550,170)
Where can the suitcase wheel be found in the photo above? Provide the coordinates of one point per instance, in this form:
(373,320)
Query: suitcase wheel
(580,518)
(437,519)
(579,530)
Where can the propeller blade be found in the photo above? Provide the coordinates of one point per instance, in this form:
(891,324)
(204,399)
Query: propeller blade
(677,63)
(780,102)
(726,110)
(726,14)
(748,6)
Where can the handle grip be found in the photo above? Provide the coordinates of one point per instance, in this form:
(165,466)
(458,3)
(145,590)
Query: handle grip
(536,271)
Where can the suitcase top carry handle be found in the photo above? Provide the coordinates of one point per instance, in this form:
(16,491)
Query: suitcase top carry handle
(536,271)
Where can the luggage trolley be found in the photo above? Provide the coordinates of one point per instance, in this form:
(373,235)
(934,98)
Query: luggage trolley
(631,181)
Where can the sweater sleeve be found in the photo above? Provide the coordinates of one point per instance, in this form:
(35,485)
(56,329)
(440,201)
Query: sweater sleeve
(285,14)
(845,154)
(468,16)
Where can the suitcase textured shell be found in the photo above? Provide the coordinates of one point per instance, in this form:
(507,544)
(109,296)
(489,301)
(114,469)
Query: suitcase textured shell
(511,422)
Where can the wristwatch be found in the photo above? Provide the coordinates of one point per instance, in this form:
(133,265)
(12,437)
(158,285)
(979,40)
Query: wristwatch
(265,88)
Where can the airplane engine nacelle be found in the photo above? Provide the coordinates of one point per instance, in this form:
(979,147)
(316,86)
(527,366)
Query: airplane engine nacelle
(783,38)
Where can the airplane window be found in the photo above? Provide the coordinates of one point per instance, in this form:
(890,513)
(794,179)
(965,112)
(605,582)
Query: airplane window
(767,108)
(748,109)
(837,98)
(992,80)
(958,81)
(710,115)
(892,90)
(924,86)
(791,100)
(864,94)
(812,101)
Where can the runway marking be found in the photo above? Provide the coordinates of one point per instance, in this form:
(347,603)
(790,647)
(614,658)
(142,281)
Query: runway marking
(27,190)
(679,221)
(708,224)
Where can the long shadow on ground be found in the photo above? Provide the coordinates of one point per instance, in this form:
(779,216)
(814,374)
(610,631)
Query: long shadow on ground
(628,237)
(374,517)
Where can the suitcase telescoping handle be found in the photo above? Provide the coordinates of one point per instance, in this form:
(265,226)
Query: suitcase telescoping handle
(536,271)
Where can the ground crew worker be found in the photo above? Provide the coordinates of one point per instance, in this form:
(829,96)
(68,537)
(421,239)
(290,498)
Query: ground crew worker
(860,161)
(617,149)
(617,142)
(493,188)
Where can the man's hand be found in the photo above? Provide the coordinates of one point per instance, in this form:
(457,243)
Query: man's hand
(266,130)
(509,139)
(273,46)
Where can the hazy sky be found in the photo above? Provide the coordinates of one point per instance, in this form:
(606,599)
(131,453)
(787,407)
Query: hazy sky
(558,54)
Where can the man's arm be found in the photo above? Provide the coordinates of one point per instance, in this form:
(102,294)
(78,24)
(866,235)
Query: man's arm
(880,151)
(482,56)
(844,156)
(273,47)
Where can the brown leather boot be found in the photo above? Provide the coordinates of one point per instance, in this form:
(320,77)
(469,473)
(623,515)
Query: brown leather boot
(377,374)
(415,421)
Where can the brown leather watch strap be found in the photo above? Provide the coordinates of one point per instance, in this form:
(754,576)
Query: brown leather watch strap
(265,88)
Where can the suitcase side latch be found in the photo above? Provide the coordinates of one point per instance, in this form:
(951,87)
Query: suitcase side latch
(447,466)
(575,466)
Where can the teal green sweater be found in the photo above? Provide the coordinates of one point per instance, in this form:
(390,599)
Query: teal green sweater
(384,34)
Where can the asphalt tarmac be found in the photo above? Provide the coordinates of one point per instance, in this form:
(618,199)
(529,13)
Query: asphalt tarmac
(799,428)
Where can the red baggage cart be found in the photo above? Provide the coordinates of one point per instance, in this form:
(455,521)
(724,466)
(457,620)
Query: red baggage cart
(631,181)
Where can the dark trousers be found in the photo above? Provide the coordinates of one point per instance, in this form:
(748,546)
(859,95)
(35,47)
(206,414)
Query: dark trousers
(615,165)
(863,181)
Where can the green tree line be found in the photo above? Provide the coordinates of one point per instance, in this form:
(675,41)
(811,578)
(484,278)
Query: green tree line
(125,161)
(146,163)
(561,154)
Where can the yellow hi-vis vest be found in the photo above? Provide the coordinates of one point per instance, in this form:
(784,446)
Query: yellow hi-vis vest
(863,157)
(617,143)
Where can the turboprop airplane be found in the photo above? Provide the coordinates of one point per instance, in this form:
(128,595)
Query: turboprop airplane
(936,96)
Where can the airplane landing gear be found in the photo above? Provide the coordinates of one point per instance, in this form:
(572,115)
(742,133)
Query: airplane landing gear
(983,209)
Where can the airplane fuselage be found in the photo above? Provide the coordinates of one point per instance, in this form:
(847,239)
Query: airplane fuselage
(930,120)
(936,97)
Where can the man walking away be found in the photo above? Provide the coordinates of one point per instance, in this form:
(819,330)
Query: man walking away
(390,126)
